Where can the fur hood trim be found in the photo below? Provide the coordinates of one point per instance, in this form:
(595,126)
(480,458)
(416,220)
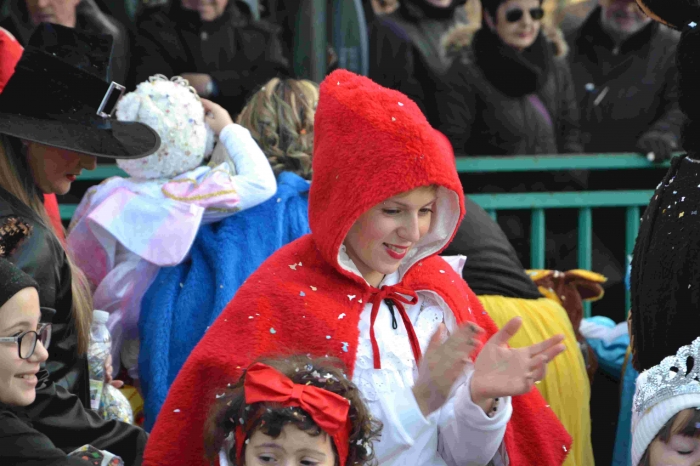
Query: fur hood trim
(460,37)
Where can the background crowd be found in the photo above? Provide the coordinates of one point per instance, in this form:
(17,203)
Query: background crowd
(224,162)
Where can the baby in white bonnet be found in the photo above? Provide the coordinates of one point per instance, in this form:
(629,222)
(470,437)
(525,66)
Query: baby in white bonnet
(126,229)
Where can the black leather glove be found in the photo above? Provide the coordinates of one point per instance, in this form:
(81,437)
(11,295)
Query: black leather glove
(657,146)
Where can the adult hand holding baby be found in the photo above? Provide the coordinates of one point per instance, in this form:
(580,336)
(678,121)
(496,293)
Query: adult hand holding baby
(216,116)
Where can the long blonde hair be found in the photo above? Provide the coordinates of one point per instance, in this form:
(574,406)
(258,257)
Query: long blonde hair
(16,179)
(280,117)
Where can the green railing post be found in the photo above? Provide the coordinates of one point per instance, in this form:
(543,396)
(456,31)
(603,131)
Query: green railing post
(537,239)
(631,231)
(585,246)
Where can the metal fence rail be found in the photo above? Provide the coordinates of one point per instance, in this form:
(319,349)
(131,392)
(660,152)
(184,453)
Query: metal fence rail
(538,203)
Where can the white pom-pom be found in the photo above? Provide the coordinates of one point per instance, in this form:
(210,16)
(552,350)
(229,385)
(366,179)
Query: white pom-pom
(177,115)
(128,107)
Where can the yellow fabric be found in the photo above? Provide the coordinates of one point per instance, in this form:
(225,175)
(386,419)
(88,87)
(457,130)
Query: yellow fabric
(566,386)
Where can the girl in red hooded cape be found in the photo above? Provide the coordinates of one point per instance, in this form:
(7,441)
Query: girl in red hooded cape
(367,286)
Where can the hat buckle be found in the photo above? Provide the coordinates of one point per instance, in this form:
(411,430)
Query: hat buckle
(110,99)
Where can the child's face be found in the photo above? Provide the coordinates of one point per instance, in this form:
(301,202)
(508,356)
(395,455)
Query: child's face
(18,376)
(293,447)
(679,451)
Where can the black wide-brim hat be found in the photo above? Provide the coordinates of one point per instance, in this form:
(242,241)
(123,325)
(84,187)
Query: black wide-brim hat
(59,96)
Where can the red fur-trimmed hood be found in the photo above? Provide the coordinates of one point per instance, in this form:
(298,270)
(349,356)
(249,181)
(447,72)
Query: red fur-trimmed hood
(372,143)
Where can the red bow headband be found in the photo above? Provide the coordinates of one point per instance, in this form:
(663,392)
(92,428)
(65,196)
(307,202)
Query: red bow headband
(328,410)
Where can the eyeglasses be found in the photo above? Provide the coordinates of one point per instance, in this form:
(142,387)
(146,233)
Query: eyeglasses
(26,342)
(516,14)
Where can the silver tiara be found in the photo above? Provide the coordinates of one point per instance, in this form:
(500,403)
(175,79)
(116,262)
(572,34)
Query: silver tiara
(670,378)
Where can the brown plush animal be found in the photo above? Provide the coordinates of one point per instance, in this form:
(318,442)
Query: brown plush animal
(570,289)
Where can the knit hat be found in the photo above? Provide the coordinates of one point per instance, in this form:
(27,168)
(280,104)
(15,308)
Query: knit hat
(13,281)
(173,109)
(10,53)
(662,392)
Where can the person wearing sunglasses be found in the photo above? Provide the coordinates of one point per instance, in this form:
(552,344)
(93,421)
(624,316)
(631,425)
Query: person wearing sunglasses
(508,91)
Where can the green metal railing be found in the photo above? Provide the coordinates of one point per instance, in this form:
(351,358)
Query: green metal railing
(538,203)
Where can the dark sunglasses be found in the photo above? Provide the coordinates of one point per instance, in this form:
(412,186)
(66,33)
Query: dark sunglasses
(516,14)
(26,342)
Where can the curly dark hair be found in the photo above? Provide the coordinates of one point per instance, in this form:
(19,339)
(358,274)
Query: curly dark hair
(272,417)
(280,117)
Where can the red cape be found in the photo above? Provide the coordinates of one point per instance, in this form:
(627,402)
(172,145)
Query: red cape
(370,144)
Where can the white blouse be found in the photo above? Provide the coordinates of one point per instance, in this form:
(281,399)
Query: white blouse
(459,433)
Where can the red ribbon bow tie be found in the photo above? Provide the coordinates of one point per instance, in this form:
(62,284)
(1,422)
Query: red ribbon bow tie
(328,410)
(397,294)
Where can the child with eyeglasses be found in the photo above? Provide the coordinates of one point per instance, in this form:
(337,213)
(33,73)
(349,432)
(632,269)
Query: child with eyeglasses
(23,349)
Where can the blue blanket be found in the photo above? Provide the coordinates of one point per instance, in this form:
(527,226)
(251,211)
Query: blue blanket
(184,300)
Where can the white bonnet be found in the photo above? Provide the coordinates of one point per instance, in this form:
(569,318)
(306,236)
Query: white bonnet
(173,109)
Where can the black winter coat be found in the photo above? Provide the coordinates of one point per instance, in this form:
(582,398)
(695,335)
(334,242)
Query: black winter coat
(89,18)
(496,101)
(665,278)
(57,424)
(406,51)
(43,258)
(492,266)
(238,53)
(624,91)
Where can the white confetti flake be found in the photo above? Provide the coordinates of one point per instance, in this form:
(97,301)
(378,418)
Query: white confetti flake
(301,293)
(692,24)
(220,396)
(351,297)
(345,346)
(393,119)
(400,104)
(221,286)
(247,441)
(299,264)
(313,288)
(328,337)
(240,419)
(360,301)
(442,271)
(176,410)
(182,285)
(341,316)
(293,266)
(250,317)
(272,330)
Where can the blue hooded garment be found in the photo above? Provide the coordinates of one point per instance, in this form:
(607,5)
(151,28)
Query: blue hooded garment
(183,301)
